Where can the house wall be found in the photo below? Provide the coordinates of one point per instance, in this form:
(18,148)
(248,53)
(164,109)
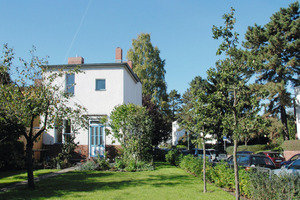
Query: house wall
(120,88)
(132,90)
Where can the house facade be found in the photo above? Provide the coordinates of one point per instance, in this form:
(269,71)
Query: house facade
(99,88)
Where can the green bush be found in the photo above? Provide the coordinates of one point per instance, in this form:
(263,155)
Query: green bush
(88,166)
(132,165)
(286,186)
(103,164)
(254,148)
(221,174)
(192,164)
(290,145)
(173,157)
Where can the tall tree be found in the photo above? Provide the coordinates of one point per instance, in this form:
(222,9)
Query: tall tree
(198,115)
(149,67)
(275,50)
(33,94)
(162,126)
(174,103)
(233,89)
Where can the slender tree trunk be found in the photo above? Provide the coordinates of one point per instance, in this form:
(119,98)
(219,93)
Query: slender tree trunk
(204,166)
(284,122)
(29,151)
(236,171)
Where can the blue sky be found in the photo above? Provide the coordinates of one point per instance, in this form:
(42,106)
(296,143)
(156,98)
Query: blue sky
(181,29)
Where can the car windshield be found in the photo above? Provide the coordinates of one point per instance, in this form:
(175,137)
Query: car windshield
(275,155)
(257,160)
(242,160)
(295,165)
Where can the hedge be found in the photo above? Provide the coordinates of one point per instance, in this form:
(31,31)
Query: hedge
(290,145)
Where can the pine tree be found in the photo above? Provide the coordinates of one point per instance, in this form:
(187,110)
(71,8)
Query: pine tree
(275,50)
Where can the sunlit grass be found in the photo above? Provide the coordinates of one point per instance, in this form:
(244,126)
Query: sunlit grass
(166,182)
(8,177)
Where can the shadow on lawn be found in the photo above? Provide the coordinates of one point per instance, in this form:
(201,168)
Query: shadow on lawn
(73,182)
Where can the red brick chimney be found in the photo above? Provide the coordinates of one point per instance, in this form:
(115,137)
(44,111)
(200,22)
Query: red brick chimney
(118,55)
(76,60)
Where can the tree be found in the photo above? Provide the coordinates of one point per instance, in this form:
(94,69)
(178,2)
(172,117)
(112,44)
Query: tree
(33,94)
(162,126)
(132,127)
(149,67)
(233,90)
(275,50)
(198,115)
(174,103)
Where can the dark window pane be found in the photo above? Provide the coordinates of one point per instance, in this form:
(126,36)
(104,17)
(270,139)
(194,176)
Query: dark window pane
(100,84)
(70,81)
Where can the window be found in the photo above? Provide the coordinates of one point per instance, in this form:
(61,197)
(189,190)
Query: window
(100,84)
(70,81)
(67,132)
(58,132)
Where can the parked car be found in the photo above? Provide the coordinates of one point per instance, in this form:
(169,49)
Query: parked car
(244,152)
(292,168)
(276,157)
(210,153)
(289,161)
(221,156)
(252,160)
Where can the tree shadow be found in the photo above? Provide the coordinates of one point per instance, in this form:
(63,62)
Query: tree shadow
(93,181)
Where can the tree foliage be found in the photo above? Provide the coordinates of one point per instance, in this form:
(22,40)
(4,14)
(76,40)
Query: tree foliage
(275,53)
(33,94)
(132,127)
(162,126)
(174,103)
(149,67)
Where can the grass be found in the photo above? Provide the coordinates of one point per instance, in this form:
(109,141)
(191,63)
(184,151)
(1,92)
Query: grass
(166,182)
(8,177)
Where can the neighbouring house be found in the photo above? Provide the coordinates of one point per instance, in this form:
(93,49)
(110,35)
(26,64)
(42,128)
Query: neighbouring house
(99,89)
(297,110)
(178,133)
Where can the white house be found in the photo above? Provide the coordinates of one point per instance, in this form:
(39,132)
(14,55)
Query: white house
(297,101)
(99,88)
(178,132)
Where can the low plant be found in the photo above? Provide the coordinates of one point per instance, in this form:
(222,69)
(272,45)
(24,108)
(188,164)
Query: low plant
(103,163)
(89,165)
(286,186)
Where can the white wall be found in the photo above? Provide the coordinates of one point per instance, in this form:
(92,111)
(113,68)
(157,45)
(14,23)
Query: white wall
(120,88)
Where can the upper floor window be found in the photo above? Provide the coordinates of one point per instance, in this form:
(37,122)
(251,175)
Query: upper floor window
(100,84)
(70,83)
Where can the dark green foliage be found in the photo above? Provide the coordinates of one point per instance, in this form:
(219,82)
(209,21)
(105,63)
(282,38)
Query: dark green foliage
(286,186)
(253,148)
(159,155)
(103,164)
(291,145)
(173,157)
(132,165)
(162,126)
(63,159)
(192,164)
(12,155)
(275,58)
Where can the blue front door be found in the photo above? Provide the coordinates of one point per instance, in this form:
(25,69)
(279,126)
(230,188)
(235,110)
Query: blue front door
(97,143)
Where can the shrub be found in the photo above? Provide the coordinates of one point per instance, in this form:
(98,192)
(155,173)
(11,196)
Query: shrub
(132,165)
(286,186)
(192,164)
(291,145)
(173,157)
(254,148)
(103,164)
(88,166)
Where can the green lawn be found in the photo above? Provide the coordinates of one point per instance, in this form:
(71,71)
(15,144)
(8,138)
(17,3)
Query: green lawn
(8,177)
(165,182)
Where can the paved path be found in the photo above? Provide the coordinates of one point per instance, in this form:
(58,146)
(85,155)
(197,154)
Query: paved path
(18,184)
